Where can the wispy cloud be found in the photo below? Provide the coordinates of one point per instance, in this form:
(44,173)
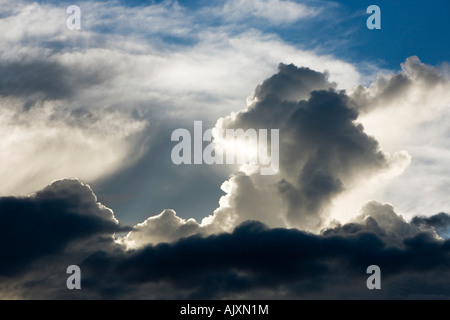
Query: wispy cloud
(275,12)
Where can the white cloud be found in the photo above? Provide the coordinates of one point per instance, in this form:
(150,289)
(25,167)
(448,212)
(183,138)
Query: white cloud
(37,147)
(276,12)
(381,219)
(165,227)
(409,110)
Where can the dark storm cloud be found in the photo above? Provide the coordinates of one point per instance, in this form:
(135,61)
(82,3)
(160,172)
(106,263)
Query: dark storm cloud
(292,83)
(336,150)
(253,261)
(439,222)
(46,222)
(322,149)
(255,258)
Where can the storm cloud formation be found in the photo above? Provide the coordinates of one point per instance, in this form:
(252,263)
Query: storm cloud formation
(47,221)
(439,222)
(99,104)
(324,151)
(247,248)
(64,225)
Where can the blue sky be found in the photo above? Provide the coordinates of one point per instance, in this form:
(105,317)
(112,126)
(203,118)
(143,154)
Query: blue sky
(412,28)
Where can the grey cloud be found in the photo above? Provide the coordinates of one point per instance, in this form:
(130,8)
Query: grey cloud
(56,109)
(380,219)
(41,79)
(165,227)
(409,110)
(439,222)
(390,89)
(46,222)
(38,77)
(292,83)
(323,151)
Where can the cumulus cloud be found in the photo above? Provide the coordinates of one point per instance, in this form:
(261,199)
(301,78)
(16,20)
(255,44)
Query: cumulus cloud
(388,90)
(47,221)
(324,151)
(165,227)
(329,164)
(380,219)
(439,223)
(409,110)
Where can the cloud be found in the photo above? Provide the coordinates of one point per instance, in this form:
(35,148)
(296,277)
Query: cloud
(418,88)
(344,164)
(52,140)
(66,225)
(440,223)
(36,78)
(165,227)
(409,110)
(324,151)
(102,97)
(276,12)
(282,263)
(46,222)
(380,219)
(416,82)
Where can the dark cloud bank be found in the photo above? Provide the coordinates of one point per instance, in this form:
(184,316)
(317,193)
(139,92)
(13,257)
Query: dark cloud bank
(64,224)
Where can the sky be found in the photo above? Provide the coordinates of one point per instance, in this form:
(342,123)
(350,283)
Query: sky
(88,117)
